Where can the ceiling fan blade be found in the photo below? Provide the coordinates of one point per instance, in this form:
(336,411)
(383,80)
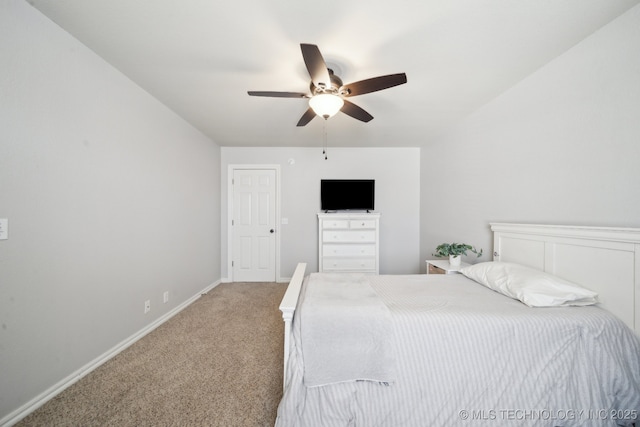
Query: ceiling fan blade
(374,84)
(351,109)
(315,65)
(306,117)
(278,94)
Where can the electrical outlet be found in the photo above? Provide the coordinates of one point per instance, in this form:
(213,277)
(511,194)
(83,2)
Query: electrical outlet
(165,297)
(147,306)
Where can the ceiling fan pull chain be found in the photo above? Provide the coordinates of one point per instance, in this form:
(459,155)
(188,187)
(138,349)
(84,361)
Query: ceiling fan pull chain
(324,139)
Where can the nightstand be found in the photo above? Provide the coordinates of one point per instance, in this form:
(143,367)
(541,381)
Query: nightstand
(442,266)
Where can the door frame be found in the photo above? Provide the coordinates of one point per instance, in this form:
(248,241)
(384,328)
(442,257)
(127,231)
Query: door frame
(230,172)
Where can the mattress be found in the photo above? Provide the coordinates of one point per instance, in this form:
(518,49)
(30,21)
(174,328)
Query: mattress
(466,355)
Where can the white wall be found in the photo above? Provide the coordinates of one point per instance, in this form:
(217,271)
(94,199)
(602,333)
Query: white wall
(111,199)
(561,147)
(397,175)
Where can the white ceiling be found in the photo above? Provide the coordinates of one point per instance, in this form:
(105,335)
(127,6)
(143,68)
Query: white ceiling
(199,57)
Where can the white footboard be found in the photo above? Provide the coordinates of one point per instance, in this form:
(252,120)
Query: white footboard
(288,308)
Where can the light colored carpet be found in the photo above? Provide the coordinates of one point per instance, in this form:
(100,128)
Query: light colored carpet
(216,363)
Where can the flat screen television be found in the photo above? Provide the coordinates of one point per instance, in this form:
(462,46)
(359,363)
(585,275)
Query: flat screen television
(347,194)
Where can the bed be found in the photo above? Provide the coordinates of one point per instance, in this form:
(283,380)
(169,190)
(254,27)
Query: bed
(422,350)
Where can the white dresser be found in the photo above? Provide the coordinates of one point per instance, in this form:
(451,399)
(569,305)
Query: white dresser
(348,242)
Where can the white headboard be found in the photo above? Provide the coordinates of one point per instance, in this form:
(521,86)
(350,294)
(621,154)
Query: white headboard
(603,259)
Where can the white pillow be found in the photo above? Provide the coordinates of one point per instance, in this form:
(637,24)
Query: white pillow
(532,287)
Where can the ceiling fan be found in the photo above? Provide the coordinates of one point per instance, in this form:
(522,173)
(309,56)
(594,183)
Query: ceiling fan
(328,94)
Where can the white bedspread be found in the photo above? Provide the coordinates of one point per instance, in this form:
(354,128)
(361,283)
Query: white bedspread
(466,355)
(346,331)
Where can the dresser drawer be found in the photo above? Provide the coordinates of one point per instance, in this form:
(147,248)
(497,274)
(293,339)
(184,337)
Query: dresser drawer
(362,223)
(349,236)
(349,250)
(335,223)
(348,264)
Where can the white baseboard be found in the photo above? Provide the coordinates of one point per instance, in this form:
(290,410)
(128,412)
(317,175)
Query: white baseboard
(26,409)
(278,280)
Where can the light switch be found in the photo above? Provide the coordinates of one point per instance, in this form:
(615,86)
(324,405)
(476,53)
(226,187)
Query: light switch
(4,228)
(284,221)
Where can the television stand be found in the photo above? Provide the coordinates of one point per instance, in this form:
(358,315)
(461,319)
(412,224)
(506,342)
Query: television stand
(349,242)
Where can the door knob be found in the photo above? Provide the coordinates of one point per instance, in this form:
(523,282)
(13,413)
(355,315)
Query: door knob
(272,231)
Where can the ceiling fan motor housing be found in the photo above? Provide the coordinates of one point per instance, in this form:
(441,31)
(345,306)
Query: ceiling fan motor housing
(336,85)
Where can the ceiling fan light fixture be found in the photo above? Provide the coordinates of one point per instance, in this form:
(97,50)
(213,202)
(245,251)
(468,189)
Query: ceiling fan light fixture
(325,104)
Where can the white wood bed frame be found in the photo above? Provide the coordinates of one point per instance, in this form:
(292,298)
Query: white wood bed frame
(603,259)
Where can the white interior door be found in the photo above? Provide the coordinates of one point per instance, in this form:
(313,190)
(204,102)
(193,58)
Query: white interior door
(253,225)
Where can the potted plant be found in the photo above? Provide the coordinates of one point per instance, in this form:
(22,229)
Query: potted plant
(454,251)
